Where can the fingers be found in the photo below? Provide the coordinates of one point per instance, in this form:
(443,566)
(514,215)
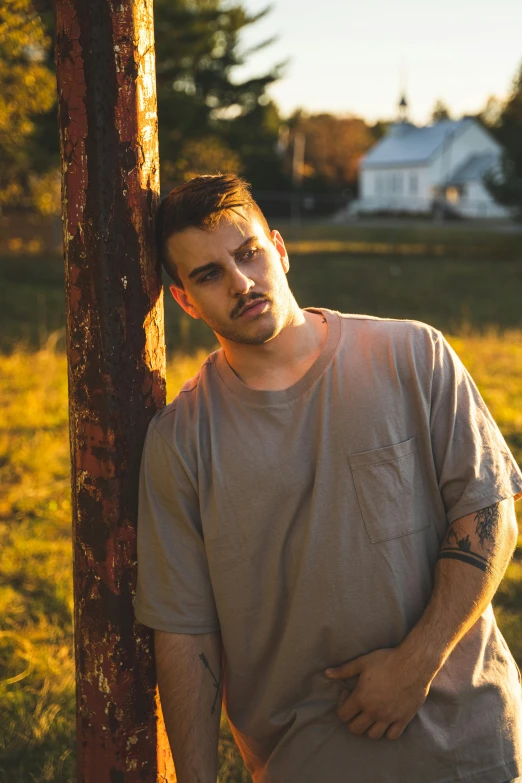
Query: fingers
(344,695)
(358,721)
(377,730)
(395,731)
(363,724)
(350,669)
(360,724)
(348,707)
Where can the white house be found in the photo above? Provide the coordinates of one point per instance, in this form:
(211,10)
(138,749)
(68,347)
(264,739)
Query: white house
(441,166)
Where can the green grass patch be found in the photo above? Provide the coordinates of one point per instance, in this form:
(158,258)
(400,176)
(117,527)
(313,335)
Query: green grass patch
(447,293)
(462,239)
(455,276)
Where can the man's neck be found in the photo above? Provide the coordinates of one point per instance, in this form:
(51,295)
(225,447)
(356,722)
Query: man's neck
(282,361)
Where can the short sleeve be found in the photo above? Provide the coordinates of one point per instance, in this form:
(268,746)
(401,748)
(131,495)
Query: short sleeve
(474,465)
(173,591)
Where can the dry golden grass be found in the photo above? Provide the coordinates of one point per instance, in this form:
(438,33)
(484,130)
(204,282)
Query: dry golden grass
(495,362)
(36,664)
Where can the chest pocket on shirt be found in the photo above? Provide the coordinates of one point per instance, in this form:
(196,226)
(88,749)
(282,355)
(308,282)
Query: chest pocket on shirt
(390,491)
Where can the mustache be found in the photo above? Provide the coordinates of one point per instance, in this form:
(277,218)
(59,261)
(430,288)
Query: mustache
(243,301)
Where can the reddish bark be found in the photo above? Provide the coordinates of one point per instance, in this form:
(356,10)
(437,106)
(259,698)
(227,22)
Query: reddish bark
(108,136)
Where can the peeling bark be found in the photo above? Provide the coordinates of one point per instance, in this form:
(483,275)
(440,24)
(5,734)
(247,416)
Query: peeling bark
(115,340)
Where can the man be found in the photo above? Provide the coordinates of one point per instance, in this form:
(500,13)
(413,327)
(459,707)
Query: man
(326,511)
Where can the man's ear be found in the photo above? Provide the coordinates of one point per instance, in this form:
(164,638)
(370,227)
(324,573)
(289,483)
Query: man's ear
(180,295)
(279,244)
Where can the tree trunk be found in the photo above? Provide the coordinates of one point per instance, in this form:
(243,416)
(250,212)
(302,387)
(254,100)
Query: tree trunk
(115,342)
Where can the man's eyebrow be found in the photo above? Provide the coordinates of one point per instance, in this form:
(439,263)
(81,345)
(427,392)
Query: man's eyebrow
(195,272)
(241,247)
(212,264)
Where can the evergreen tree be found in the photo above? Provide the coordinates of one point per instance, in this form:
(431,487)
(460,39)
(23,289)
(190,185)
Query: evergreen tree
(505,185)
(207,120)
(440,111)
(490,115)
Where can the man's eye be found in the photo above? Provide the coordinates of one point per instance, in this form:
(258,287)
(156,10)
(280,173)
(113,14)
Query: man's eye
(209,276)
(250,253)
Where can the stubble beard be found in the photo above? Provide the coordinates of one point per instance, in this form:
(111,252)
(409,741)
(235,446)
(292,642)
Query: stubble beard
(269,324)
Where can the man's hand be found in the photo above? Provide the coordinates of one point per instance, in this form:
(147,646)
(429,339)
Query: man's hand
(393,683)
(387,696)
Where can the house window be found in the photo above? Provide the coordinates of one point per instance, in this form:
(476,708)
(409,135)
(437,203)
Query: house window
(452,195)
(378,184)
(414,184)
(396,183)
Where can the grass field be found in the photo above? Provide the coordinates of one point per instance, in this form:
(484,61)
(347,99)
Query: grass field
(36,664)
(37,713)
(455,277)
(474,297)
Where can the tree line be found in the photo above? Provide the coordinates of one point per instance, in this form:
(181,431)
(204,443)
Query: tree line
(208,120)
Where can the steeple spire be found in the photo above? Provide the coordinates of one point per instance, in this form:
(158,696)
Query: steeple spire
(403,109)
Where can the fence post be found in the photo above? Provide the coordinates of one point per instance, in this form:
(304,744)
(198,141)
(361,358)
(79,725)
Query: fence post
(116,357)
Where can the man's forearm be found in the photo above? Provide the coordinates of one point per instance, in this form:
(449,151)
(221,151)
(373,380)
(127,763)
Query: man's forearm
(393,683)
(473,558)
(190,682)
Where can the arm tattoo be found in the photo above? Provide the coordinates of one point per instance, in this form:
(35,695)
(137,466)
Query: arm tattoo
(466,557)
(487,525)
(217,683)
(457,546)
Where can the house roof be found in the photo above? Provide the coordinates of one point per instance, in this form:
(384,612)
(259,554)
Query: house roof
(407,144)
(474,168)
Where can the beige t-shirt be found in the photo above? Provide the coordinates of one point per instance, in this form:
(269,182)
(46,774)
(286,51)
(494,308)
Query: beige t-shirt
(305,524)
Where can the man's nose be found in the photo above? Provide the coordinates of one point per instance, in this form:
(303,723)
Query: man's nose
(239,283)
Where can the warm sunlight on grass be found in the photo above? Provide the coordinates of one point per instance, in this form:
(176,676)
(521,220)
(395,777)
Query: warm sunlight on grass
(36,664)
(495,362)
(180,369)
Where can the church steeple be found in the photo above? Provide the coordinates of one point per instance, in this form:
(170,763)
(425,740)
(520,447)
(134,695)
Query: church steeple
(402,124)
(403,109)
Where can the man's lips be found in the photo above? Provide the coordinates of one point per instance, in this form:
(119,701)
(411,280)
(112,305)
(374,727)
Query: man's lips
(252,307)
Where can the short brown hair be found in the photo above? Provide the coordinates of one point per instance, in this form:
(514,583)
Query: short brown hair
(201,203)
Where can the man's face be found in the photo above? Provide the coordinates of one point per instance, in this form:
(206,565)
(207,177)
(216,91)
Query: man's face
(234,278)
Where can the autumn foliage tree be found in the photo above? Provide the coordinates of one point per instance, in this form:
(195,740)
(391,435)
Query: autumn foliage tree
(27,91)
(333,148)
(208,119)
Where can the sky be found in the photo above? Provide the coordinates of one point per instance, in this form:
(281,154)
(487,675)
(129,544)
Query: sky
(348,57)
